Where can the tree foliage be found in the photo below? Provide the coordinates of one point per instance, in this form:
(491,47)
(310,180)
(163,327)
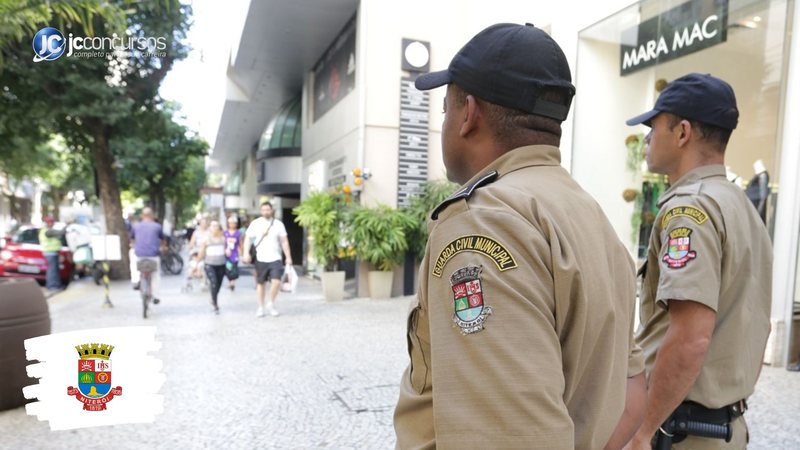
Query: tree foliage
(184,192)
(158,158)
(91,102)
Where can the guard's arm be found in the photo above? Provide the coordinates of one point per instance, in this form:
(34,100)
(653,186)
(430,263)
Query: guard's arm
(678,363)
(632,416)
(514,359)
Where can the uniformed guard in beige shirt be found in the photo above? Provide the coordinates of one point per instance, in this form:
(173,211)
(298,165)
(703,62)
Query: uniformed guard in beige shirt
(522,333)
(707,285)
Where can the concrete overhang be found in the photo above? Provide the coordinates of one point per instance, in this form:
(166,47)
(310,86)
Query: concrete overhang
(280,42)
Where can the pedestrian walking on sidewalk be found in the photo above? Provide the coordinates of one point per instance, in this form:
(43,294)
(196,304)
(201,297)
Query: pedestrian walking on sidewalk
(196,271)
(234,246)
(268,235)
(212,253)
(706,293)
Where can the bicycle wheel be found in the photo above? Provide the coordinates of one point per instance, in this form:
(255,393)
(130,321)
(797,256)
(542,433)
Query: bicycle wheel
(171,263)
(144,288)
(176,264)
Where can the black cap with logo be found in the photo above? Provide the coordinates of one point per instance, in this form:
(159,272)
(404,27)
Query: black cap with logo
(700,97)
(509,65)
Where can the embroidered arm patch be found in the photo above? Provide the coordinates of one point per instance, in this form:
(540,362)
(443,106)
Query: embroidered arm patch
(474,243)
(679,248)
(698,215)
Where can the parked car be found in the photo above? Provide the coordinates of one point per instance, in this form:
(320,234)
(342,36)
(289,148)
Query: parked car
(22,256)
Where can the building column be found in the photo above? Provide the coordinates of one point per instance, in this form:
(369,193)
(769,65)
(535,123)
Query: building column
(787,217)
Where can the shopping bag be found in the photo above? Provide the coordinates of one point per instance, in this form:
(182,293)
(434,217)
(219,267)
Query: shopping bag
(289,280)
(231,270)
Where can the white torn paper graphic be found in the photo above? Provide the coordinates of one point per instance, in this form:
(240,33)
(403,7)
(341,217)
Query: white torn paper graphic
(91,378)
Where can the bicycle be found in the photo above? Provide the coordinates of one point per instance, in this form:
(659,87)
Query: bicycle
(176,243)
(146,268)
(171,262)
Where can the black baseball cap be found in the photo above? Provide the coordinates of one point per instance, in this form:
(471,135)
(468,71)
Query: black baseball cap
(700,97)
(508,65)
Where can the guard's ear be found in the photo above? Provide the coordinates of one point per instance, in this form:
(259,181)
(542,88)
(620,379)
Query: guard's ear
(472,114)
(685,132)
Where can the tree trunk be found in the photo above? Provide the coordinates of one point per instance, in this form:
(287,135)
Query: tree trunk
(161,203)
(176,212)
(110,198)
(57,196)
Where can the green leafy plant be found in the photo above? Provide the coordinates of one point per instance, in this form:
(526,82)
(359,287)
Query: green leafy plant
(379,235)
(635,144)
(322,214)
(430,195)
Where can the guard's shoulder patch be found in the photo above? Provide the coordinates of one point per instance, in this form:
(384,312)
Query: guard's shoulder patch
(465,193)
(692,212)
(679,248)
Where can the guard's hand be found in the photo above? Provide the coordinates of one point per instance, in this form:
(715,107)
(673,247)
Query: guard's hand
(638,443)
(246,258)
(289,262)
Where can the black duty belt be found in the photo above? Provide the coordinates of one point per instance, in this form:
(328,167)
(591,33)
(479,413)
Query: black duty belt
(699,413)
(694,419)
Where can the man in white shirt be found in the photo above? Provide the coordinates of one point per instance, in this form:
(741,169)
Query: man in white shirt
(269,236)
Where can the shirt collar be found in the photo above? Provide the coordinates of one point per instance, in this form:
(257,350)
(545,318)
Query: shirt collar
(527,156)
(692,177)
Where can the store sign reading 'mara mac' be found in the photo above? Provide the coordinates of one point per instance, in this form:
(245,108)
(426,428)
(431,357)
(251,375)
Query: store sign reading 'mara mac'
(685,29)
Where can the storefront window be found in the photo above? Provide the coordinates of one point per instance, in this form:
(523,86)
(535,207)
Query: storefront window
(623,62)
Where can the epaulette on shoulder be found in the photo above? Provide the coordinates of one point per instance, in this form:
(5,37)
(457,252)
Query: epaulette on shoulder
(464,193)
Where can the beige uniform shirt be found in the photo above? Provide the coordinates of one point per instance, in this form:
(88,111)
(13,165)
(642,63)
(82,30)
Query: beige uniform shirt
(709,245)
(522,334)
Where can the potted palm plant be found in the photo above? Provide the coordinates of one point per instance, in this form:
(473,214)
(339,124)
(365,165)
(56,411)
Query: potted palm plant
(322,215)
(379,237)
(430,195)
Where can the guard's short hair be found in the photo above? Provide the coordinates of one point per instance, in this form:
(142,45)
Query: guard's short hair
(268,204)
(514,128)
(718,137)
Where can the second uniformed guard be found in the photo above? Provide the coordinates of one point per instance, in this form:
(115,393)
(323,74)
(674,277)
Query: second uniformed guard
(522,333)
(707,287)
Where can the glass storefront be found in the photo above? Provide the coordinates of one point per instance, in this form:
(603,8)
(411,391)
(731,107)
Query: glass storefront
(623,62)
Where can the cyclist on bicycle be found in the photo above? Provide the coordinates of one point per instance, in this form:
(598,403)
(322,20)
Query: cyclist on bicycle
(147,239)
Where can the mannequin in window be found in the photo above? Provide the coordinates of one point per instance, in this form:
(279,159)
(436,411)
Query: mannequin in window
(733,177)
(758,188)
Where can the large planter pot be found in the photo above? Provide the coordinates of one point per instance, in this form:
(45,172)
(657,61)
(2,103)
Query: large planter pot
(333,285)
(380,283)
(23,315)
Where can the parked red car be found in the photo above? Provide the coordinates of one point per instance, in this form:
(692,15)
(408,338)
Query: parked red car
(22,256)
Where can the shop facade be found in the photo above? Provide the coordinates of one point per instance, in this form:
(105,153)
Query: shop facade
(352,63)
(622,63)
